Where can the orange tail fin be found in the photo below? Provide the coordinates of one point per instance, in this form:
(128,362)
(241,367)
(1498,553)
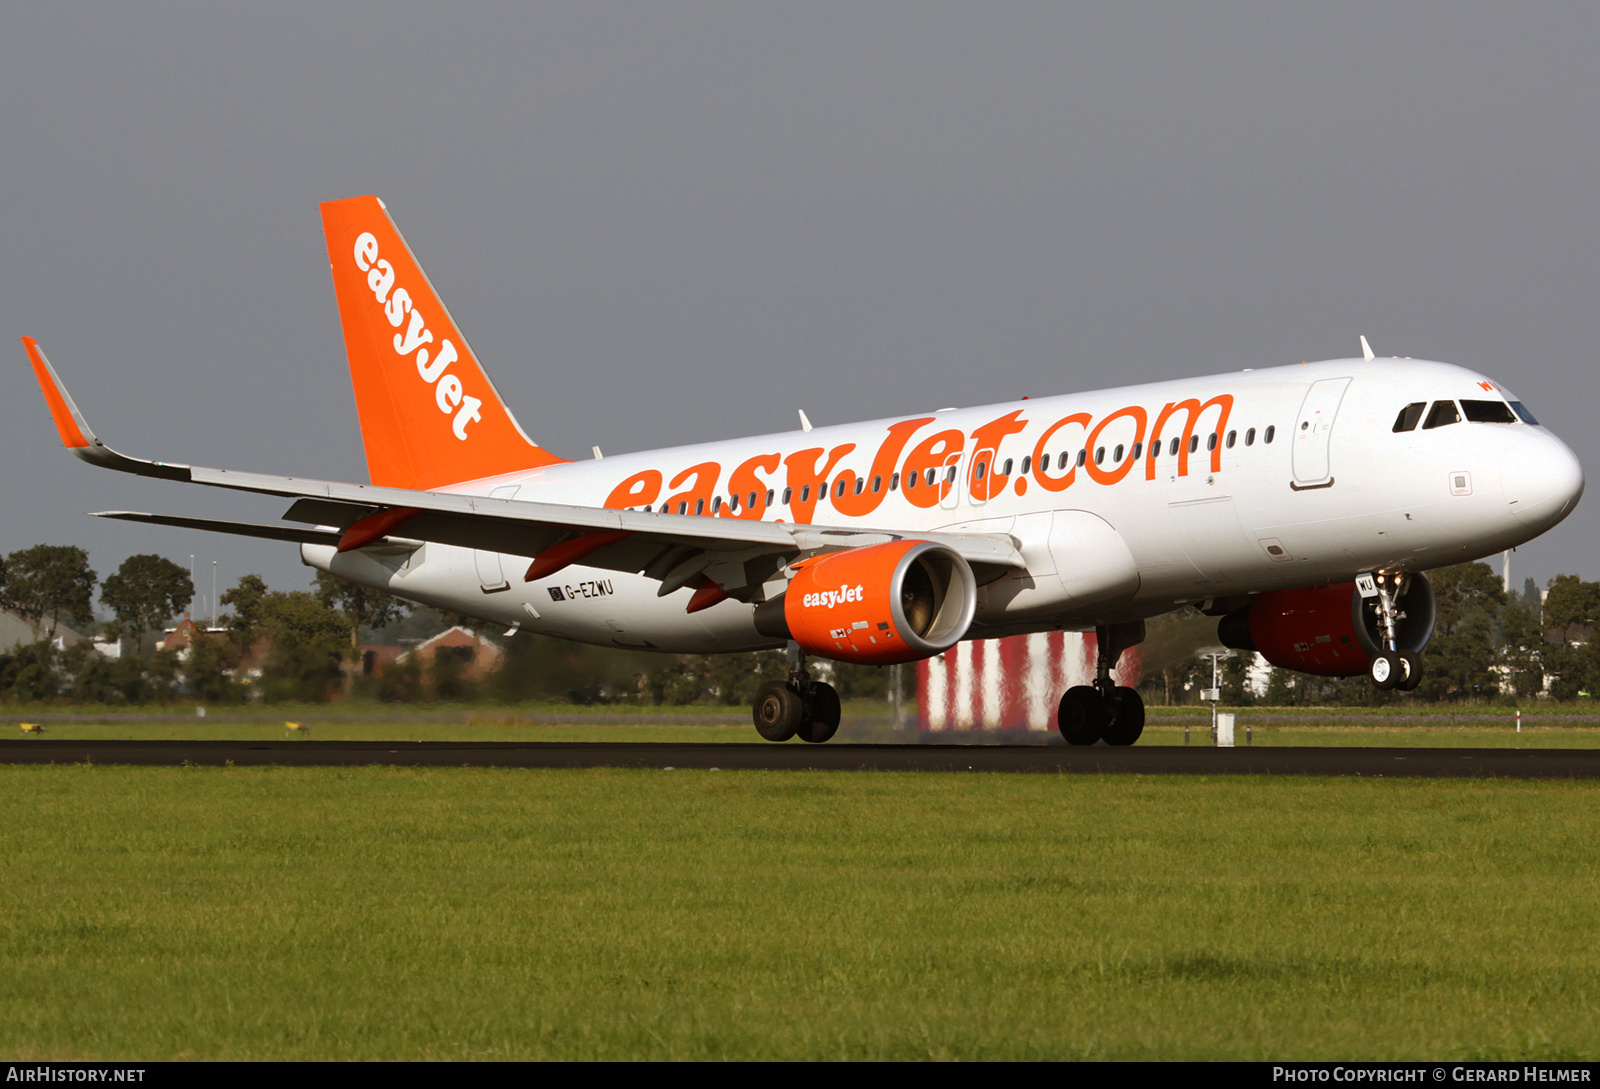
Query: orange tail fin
(429,414)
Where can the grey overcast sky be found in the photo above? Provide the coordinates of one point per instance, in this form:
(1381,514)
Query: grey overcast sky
(662,222)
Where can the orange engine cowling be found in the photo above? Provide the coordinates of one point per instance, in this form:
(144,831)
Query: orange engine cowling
(896,602)
(1330,631)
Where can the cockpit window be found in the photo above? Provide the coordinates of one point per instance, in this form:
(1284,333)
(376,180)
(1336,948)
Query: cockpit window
(1487,412)
(1409,416)
(1441,414)
(1522,410)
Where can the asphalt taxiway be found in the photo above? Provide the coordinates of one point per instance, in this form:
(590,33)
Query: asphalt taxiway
(798,756)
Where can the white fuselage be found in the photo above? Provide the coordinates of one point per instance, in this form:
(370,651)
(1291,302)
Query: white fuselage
(1335,492)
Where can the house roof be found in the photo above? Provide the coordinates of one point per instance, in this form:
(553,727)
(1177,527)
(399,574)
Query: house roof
(15,631)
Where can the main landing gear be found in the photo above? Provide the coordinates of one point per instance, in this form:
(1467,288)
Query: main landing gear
(1392,667)
(1104,711)
(799,706)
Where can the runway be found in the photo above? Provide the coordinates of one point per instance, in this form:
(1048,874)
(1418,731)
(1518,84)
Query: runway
(797,756)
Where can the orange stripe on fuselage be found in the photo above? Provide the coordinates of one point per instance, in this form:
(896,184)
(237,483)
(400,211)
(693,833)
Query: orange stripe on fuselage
(810,471)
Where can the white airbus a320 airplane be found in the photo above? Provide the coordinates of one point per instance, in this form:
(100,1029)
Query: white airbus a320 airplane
(1299,504)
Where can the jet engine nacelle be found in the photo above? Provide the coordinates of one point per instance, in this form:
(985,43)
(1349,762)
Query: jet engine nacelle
(896,602)
(1331,631)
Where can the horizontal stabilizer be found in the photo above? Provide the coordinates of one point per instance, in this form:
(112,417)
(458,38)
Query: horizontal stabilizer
(297,534)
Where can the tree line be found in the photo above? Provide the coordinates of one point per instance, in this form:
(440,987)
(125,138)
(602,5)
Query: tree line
(1488,645)
(305,645)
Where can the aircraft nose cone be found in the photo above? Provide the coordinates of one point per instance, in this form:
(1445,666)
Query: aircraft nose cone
(1542,479)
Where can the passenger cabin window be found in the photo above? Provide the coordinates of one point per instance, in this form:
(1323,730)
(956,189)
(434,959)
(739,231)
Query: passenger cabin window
(1172,451)
(877,485)
(1487,412)
(1138,448)
(894,482)
(1409,416)
(1100,456)
(788,494)
(1026,462)
(1267,435)
(1082,454)
(1250,437)
(1522,410)
(1442,414)
(1233,436)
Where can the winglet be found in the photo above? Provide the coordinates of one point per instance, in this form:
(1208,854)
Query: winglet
(74,429)
(1366,349)
(75,433)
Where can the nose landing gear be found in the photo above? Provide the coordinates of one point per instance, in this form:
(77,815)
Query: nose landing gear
(1392,667)
(799,707)
(1104,711)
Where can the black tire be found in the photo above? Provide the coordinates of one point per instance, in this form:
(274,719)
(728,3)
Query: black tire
(1124,718)
(1081,717)
(1411,669)
(777,711)
(822,722)
(1386,671)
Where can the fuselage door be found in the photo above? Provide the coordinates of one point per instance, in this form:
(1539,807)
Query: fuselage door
(1313,430)
(491,575)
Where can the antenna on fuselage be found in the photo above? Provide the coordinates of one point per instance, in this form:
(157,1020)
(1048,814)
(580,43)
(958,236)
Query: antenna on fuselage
(1366,349)
(805,424)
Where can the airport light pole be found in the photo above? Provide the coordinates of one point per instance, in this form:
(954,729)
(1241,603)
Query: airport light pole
(1212,695)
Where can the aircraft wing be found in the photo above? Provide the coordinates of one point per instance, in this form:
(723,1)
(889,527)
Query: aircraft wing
(676,549)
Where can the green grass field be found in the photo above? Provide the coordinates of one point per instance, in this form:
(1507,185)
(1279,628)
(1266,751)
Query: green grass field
(863,723)
(153,913)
